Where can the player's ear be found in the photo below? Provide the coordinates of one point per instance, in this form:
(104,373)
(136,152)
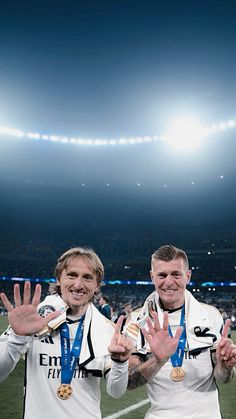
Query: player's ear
(97,292)
(189,274)
(152,276)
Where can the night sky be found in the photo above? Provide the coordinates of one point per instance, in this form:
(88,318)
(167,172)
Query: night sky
(105,70)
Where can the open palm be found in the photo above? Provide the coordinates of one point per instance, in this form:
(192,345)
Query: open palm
(161,343)
(23,318)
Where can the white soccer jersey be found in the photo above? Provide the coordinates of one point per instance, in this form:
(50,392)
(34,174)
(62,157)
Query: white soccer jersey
(43,370)
(196,397)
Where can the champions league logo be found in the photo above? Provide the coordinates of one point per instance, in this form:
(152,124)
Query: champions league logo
(44,311)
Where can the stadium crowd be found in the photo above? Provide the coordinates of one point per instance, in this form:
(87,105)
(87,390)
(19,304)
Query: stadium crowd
(222,297)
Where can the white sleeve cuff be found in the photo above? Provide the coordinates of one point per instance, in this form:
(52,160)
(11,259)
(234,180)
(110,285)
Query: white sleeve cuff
(117,379)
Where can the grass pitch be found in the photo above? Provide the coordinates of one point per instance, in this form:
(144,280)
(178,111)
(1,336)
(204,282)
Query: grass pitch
(11,395)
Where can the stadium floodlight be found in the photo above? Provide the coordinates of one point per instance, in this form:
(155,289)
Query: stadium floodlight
(65,140)
(100,142)
(34,135)
(122,141)
(112,142)
(11,131)
(53,138)
(132,140)
(185,133)
(222,126)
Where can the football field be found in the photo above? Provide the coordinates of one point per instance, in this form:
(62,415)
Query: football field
(132,405)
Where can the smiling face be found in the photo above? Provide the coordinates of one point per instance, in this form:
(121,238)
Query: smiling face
(170,280)
(78,283)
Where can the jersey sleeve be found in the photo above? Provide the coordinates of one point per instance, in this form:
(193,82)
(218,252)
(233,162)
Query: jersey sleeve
(117,379)
(12,347)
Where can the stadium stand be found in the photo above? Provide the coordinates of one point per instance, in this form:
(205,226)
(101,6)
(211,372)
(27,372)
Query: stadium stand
(127,260)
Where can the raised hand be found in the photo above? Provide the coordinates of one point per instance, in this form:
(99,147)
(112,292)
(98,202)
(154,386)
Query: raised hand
(23,318)
(161,343)
(226,350)
(121,346)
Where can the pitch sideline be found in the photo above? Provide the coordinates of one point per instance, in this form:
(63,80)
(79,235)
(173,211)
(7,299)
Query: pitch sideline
(127,410)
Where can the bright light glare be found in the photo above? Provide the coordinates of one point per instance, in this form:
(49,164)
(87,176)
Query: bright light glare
(185,134)
(11,131)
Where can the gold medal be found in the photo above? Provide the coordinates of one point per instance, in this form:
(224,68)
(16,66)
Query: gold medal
(177,374)
(64,391)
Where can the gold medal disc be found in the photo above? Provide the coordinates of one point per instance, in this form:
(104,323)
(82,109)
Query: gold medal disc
(177,374)
(64,391)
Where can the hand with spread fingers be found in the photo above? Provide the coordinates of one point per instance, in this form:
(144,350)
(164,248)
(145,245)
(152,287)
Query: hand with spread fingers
(161,343)
(226,349)
(23,318)
(121,346)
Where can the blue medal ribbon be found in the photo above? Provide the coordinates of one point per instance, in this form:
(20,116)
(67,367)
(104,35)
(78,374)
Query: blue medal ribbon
(178,356)
(69,357)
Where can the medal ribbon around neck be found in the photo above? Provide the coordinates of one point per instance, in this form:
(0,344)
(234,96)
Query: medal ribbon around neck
(178,356)
(69,357)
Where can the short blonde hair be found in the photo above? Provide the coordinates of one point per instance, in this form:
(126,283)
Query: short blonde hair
(87,255)
(168,253)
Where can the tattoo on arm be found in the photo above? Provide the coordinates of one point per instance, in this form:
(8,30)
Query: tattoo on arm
(136,379)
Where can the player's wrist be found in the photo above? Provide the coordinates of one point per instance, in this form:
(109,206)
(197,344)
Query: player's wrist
(160,361)
(224,374)
(118,360)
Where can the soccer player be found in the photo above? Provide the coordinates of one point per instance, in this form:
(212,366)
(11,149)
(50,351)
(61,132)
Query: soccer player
(180,384)
(68,345)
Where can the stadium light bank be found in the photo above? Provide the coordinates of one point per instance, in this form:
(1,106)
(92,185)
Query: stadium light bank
(184,133)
